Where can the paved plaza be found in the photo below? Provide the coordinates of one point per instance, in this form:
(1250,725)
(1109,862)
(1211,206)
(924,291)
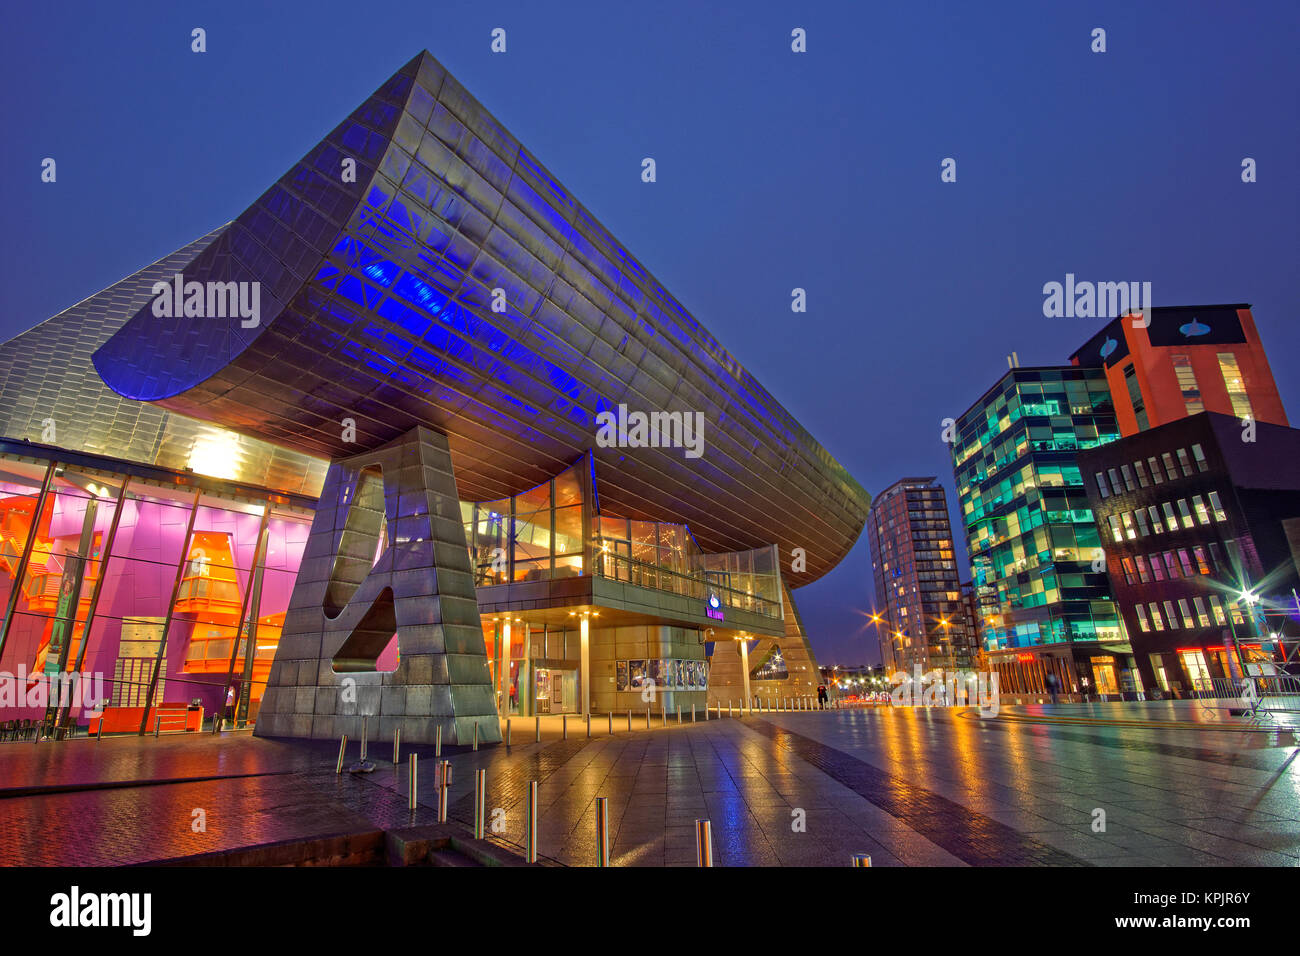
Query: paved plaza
(1178,785)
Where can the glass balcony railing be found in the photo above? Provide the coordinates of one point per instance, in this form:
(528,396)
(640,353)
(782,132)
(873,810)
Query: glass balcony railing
(618,567)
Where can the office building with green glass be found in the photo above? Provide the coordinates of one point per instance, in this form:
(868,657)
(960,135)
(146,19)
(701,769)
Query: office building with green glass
(1042,591)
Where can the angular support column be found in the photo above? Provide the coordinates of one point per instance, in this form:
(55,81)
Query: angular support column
(386,555)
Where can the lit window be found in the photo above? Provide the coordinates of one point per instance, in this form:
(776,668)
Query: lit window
(1101,485)
(1188,620)
(1168,459)
(1202,512)
(1141,563)
(1201,563)
(1141,470)
(1171,563)
(1127,473)
(1155,470)
(1184,462)
(1129,531)
(1235,384)
(1217,608)
(1186,512)
(1217,507)
(1156,527)
(1141,516)
(1115,530)
(1130,574)
(1170,616)
(1185,560)
(1142,618)
(1199,454)
(1201,616)
(1171,520)
(1156,619)
(1156,571)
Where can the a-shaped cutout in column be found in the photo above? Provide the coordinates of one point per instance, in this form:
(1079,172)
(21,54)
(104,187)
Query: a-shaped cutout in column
(386,554)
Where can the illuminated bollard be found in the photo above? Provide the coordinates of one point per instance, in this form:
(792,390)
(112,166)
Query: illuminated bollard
(530,823)
(411,783)
(537,729)
(476,735)
(693,713)
(663,714)
(437,741)
(703,843)
(647,716)
(588,719)
(444,784)
(862,859)
(610,715)
(507,731)
(602,831)
(629,721)
(343,747)
(480,804)
(564,727)
(679,713)
(728,707)
(397,745)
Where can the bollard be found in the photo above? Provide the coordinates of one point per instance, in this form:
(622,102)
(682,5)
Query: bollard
(537,729)
(647,716)
(530,824)
(507,731)
(480,803)
(444,783)
(588,717)
(364,735)
(629,721)
(397,745)
(663,714)
(862,859)
(411,783)
(437,741)
(679,713)
(564,727)
(157,726)
(602,831)
(693,713)
(703,843)
(610,715)
(728,707)
(343,749)
(476,735)
(99,731)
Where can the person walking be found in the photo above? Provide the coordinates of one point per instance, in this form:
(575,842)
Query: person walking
(821,696)
(1054,688)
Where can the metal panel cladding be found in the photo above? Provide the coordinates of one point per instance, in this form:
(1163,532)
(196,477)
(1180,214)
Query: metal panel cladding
(377,306)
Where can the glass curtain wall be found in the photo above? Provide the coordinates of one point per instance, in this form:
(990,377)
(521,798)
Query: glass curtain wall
(169,598)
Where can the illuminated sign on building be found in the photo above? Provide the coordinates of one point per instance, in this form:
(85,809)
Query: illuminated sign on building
(714,610)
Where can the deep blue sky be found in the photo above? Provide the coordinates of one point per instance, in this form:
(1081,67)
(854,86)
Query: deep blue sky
(775,170)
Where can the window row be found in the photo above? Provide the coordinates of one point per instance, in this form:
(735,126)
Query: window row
(1154,519)
(1187,616)
(1127,478)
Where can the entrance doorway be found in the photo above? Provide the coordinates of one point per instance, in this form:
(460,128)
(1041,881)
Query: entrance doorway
(556,690)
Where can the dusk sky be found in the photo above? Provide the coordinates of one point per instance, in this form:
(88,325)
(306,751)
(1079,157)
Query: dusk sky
(775,170)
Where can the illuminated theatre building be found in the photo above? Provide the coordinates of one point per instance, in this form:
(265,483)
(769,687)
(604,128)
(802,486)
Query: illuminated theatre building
(389,485)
